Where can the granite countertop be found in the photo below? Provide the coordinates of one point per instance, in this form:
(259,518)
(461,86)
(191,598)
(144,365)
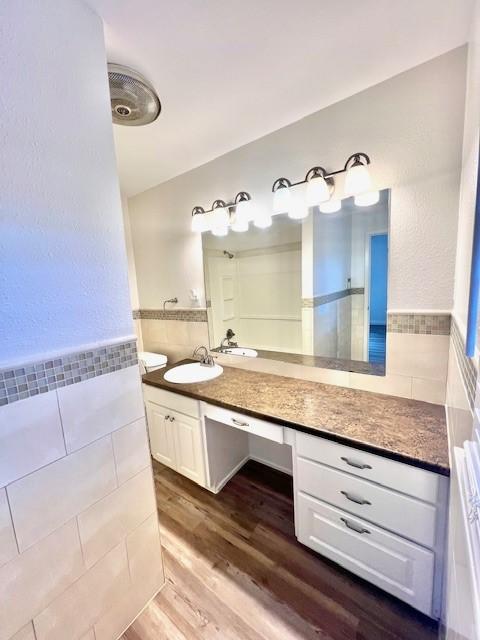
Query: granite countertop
(409,431)
(322,362)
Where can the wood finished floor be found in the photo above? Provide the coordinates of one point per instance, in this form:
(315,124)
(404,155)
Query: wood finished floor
(234,571)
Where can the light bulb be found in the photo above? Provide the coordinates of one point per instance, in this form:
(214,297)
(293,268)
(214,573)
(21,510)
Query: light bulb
(239,225)
(357,180)
(317,191)
(331,206)
(199,223)
(263,221)
(367,199)
(245,211)
(220,231)
(298,211)
(281,200)
(219,217)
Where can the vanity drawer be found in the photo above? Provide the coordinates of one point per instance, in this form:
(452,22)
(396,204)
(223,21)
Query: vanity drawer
(390,473)
(399,513)
(245,423)
(173,401)
(399,567)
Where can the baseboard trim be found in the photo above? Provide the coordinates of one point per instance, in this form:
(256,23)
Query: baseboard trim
(272,465)
(230,475)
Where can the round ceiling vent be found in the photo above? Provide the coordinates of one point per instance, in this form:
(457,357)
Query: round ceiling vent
(133,99)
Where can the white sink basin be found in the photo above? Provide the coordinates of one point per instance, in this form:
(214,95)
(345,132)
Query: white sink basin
(241,351)
(193,372)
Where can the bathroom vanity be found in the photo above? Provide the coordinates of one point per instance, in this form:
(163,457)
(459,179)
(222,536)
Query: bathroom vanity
(370,471)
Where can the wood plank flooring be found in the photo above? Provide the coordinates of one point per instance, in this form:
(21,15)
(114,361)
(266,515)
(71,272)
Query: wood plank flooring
(234,571)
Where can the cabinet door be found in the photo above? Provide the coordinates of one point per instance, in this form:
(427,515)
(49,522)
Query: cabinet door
(401,568)
(160,430)
(189,447)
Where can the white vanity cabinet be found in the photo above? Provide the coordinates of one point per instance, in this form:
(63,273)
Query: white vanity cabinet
(175,432)
(379,518)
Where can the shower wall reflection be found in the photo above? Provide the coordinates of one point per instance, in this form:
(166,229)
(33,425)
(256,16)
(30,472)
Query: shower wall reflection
(316,287)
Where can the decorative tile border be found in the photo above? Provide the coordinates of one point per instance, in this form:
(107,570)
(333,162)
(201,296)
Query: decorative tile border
(434,324)
(136,314)
(466,365)
(42,376)
(310,303)
(184,315)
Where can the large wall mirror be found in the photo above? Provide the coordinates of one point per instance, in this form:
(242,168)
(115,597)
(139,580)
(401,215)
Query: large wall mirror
(311,291)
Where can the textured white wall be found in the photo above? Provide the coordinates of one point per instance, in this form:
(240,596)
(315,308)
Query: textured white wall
(63,276)
(411,127)
(469,175)
(459,598)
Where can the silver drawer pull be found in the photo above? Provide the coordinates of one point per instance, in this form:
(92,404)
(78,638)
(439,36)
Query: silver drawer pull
(357,465)
(239,423)
(353,527)
(354,498)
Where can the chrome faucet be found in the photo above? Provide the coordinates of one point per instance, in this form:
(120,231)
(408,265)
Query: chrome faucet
(206,360)
(228,339)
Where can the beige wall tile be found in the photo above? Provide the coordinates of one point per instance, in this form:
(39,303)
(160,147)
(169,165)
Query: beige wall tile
(418,356)
(177,332)
(198,334)
(147,577)
(93,408)
(174,352)
(25,633)
(104,524)
(8,545)
(390,384)
(429,390)
(145,554)
(155,330)
(130,446)
(76,610)
(44,500)
(32,580)
(30,436)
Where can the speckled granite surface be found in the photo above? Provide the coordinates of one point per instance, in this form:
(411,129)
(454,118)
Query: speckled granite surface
(405,430)
(355,366)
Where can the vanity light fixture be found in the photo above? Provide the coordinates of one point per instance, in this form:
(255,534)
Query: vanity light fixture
(219,218)
(263,222)
(358,182)
(244,212)
(298,210)
(282,196)
(331,206)
(321,186)
(199,220)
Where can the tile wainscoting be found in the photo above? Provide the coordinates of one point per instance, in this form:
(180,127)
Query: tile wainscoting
(417,354)
(78,519)
(458,619)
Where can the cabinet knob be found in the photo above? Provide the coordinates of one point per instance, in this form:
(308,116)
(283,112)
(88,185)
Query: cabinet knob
(166,418)
(171,418)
